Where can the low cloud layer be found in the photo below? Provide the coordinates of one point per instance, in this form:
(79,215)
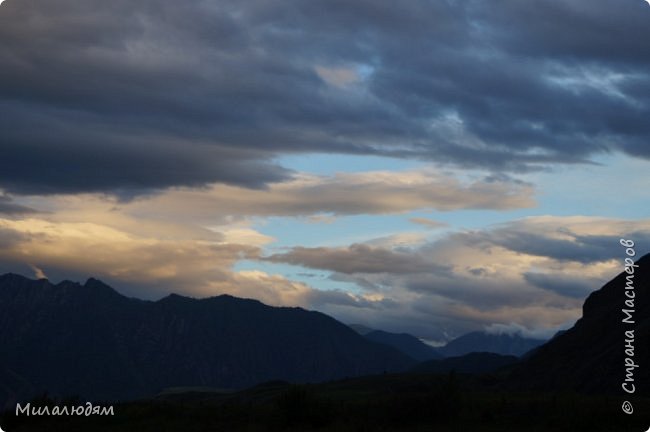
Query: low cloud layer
(357,258)
(354,193)
(482,278)
(127,97)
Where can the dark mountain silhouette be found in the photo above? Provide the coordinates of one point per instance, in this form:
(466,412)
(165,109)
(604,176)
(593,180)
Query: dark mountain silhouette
(406,343)
(472,363)
(89,340)
(534,350)
(590,357)
(361,329)
(504,344)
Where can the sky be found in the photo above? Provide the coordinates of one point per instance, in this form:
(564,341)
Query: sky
(432,167)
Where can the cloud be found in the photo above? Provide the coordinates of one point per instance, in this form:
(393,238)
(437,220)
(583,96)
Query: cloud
(10,208)
(145,266)
(578,287)
(517,329)
(488,278)
(321,219)
(10,238)
(579,239)
(153,264)
(357,258)
(374,192)
(428,223)
(317,199)
(151,267)
(339,77)
(38,273)
(188,240)
(142,96)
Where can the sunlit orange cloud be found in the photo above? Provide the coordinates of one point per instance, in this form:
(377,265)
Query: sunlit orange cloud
(184,265)
(153,265)
(379,192)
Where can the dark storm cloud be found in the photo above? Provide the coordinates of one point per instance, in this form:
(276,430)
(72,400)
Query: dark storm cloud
(131,96)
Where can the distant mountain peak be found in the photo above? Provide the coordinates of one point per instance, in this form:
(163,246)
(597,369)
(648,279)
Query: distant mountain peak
(94,282)
(13,277)
(97,287)
(175,297)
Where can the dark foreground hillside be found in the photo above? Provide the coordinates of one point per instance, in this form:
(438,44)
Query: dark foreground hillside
(379,403)
(591,356)
(473,363)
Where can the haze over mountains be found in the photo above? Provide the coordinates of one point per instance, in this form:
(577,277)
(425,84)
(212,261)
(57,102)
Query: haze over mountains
(504,344)
(89,340)
(478,341)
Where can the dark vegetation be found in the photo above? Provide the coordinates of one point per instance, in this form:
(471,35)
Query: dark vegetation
(476,363)
(404,402)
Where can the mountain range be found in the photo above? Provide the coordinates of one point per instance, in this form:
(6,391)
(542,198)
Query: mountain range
(504,344)
(406,343)
(478,341)
(88,340)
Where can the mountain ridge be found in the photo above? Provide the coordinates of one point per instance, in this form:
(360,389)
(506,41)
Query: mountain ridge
(92,341)
(590,356)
